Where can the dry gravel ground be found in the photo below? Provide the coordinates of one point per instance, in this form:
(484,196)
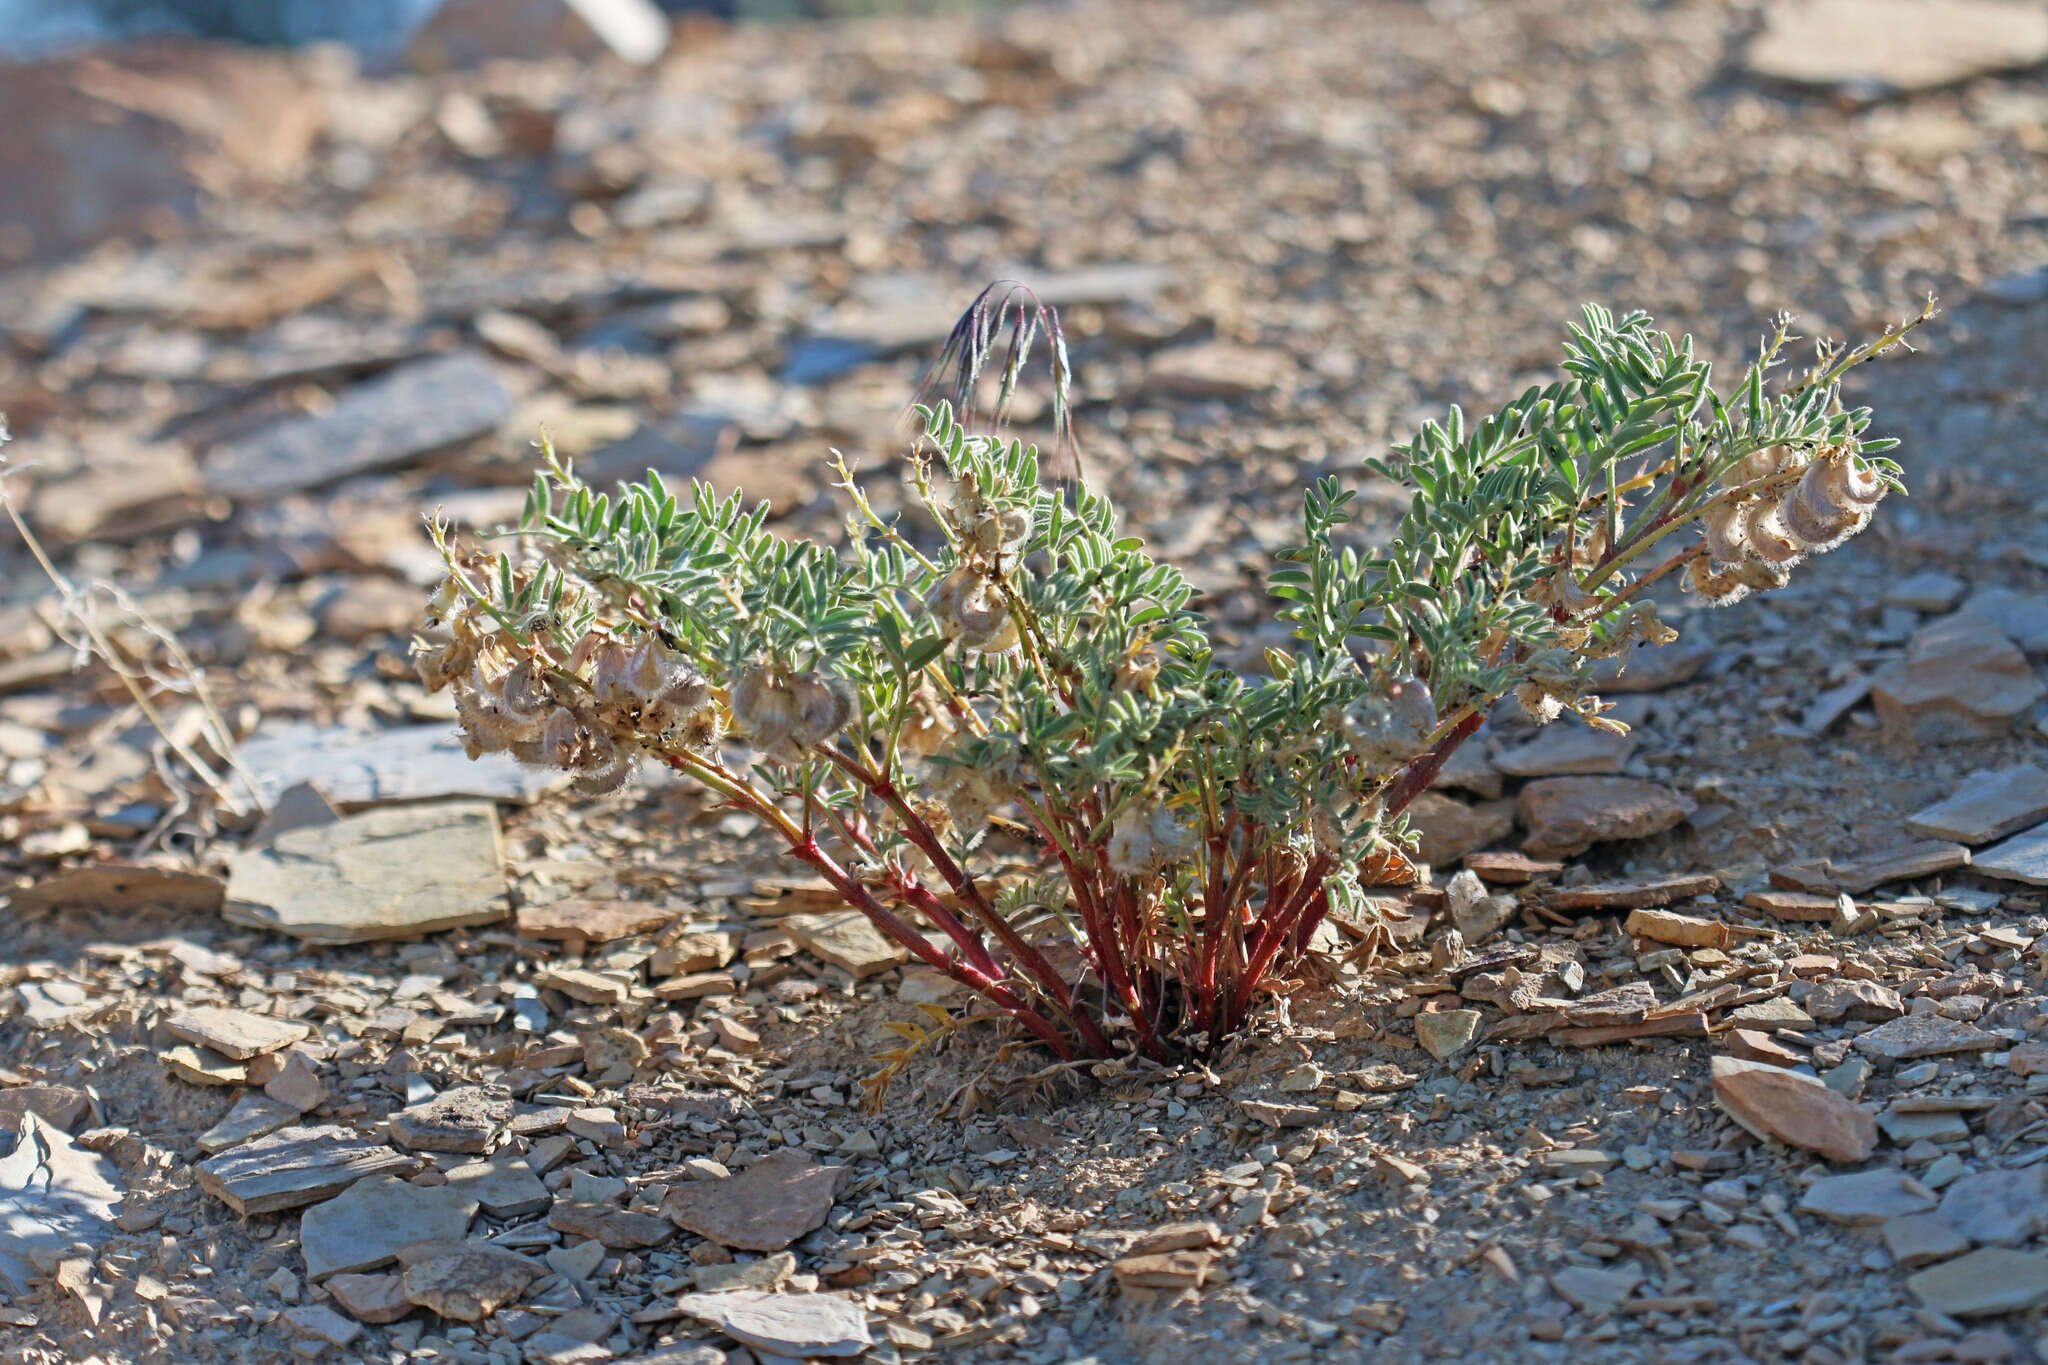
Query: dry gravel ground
(1324,221)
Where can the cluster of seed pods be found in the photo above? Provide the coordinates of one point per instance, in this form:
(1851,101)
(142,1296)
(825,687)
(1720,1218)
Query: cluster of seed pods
(783,712)
(1754,542)
(967,604)
(1144,841)
(593,713)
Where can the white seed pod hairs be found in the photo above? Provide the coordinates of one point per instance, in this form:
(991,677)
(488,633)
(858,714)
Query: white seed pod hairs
(440,665)
(1129,851)
(1538,703)
(608,768)
(1766,538)
(698,732)
(647,669)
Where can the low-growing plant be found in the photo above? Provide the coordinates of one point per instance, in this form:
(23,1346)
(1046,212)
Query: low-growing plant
(883,704)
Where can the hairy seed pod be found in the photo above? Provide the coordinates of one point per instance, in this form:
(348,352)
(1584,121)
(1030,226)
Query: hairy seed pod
(1718,584)
(1539,703)
(609,683)
(560,738)
(1139,669)
(1752,573)
(824,705)
(687,690)
(1760,464)
(1766,538)
(607,774)
(700,731)
(446,594)
(440,665)
(647,669)
(765,707)
(1723,531)
(526,691)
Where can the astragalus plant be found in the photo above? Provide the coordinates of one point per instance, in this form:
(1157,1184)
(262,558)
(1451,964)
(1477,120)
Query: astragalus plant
(881,704)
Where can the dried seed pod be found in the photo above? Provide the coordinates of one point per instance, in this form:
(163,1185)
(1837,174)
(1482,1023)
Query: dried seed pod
(699,732)
(446,594)
(439,665)
(1752,573)
(824,705)
(764,707)
(1766,538)
(560,738)
(1723,531)
(609,682)
(1718,584)
(526,691)
(687,690)
(607,779)
(1810,527)
(647,669)
(1761,464)
(1139,669)
(968,610)
(1539,703)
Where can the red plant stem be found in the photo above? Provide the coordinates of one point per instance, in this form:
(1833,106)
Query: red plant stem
(914,893)
(920,833)
(857,895)
(1273,933)
(1421,771)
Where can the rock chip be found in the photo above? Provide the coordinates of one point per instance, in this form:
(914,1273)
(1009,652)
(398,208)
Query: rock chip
(1644,667)
(320,1323)
(764,1208)
(1998,1207)
(54,1196)
(374,1299)
(1923,1035)
(1562,749)
(1450,829)
(2022,858)
(1869,48)
(847,939)
(1845,998)
(2023,617)
(1567,815)
(619,1229)
(60,1106)
(464,1281)
(1992,1280)
(296,1166)
(368,1224)
(386,873)
(252,1117)
(504,1186)
(1446,1033)
(1219,369)
(1930,591)
(1989,804)
(796,1325)
(1793,1108)
(1917,1239)
(236,1034)
(594,921)
(463,1119)
(1596,1291)
(1866,1198)
(1961,680)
